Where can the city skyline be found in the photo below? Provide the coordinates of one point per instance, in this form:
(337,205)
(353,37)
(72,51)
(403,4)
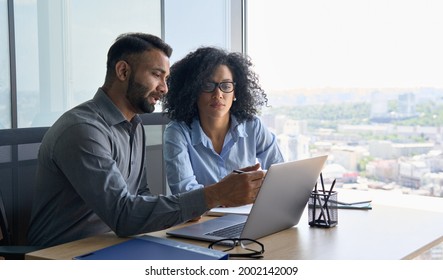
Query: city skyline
(383,138)
(337,95)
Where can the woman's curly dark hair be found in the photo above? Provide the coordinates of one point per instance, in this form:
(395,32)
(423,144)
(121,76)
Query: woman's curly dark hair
(188,75)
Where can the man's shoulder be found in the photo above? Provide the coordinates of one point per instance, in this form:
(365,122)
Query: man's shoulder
(81,118)
(86,113)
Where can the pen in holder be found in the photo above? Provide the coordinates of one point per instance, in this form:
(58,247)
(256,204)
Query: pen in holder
(322,207)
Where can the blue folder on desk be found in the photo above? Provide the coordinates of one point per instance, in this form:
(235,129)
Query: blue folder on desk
(154,248)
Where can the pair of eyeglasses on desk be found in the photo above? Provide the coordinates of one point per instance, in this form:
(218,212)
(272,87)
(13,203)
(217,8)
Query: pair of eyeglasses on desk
(244,247)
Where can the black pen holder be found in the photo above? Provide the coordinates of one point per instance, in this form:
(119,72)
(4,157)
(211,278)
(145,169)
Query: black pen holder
(322,207)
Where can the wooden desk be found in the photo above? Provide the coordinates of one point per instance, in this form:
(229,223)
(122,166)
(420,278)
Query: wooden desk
(388,231)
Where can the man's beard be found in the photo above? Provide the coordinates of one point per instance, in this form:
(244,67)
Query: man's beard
(136,95)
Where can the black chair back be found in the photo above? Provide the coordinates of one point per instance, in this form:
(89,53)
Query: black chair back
(18,164)
(5,238)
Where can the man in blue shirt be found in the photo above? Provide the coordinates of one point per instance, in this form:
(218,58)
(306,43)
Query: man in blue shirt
(91,175)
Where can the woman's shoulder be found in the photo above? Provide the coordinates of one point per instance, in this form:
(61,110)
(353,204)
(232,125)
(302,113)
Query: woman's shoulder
(176,125)
(254,121)
(177,128)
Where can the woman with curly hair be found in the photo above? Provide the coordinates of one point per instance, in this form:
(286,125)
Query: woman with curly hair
(212,102)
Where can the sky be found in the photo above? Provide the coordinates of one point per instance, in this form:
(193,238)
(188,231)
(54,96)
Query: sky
(346,43)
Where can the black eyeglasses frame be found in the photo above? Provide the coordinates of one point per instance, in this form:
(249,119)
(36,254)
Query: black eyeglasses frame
(240,241)
(218,85)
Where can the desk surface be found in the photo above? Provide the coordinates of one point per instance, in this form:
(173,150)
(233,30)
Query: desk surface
(383,233)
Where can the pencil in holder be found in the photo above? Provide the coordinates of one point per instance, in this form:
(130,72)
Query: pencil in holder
(322,207)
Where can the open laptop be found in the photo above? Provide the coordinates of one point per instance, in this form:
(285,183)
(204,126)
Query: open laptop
(279,205)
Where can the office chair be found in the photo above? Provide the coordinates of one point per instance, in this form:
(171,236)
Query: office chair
(17,169)
(7,250)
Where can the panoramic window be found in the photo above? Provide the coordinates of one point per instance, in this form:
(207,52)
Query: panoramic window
(61,49)
(185,32)
(358,80)
(5,89)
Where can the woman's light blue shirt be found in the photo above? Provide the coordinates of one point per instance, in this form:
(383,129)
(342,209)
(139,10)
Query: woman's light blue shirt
(191,161)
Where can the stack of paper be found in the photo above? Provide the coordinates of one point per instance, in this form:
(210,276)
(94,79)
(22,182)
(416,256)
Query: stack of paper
(220,211)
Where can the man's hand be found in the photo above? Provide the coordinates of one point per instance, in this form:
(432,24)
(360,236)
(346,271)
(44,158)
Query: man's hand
(251,168)
(235,189)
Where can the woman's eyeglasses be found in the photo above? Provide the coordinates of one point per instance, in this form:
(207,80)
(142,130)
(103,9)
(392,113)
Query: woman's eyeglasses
(249,248)
(225,87)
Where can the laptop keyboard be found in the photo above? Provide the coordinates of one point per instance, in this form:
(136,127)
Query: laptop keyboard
(228,232)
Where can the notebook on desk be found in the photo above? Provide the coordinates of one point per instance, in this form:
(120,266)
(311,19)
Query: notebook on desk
(279,205)
(153,248)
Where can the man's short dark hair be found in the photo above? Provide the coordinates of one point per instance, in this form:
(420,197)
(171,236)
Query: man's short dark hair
(128,44)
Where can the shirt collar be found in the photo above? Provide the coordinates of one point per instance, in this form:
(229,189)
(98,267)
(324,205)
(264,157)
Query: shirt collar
(236,130)
(111,114)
